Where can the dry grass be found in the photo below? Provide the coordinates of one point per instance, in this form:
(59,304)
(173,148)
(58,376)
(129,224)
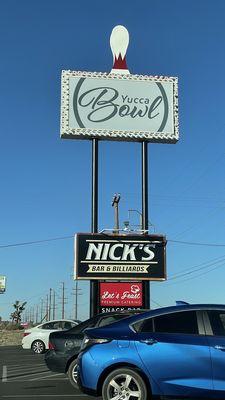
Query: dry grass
(10,338)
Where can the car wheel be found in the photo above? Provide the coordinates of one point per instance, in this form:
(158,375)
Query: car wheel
(124,384)
(38,347)
(72,373)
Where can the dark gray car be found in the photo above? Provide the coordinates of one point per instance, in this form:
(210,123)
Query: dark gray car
(64,347)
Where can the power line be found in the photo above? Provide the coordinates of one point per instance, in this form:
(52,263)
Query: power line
(213,161)
(196,243)
(196,225)
(193,270)
(72,237)
(197,276)
(155,302)
(211,265)
(36,241)
(214,260)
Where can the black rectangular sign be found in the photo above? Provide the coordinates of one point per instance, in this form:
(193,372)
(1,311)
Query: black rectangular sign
(101,256)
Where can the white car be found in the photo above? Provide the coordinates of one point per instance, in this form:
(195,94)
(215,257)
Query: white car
(37,338)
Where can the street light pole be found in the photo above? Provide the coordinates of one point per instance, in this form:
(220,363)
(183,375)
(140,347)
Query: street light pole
(53,304)
(115,204)
(139,213)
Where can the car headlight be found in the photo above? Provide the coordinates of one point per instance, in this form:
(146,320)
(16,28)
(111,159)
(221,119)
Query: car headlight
(88,341)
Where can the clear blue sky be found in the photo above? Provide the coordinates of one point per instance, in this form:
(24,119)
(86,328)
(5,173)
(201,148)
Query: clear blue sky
(45,181)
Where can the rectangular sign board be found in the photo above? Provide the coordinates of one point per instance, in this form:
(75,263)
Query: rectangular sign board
(121,294)
(120,257)
(2,284)
(119,107)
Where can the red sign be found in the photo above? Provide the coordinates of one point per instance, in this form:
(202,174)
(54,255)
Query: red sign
(121,294)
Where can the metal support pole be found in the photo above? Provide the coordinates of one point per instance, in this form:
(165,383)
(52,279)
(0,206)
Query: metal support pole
(37,314)
(94,222)
(42,304)
(53,304)
(115,204)
(50,304)
(116,210)
(76,297)
(63,300)
(47,309)
(146,284)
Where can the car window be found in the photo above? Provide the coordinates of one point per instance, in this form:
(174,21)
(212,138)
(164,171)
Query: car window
(144,326)
(57,325)
(89,323)
(67,325)
(48,325)
(106,320)
(217,320)
(179,322)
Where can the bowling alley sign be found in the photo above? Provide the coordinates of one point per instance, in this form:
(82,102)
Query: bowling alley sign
(119,105)
(129,108)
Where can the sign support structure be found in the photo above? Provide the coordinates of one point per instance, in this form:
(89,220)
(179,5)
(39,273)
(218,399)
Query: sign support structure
(94,285)
(144,148)
(123,107)
(120,67)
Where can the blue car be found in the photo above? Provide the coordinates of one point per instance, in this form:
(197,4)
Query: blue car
(168,353)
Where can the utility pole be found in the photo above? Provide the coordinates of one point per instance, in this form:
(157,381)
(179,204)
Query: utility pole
(76,293)
(32,314)
(63,300)
(115,204)
(50,303)
(37,313)
(41,311)
(47,310)
(53,305)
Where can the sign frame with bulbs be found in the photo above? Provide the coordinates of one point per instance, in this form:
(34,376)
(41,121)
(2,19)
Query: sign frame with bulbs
(119,107)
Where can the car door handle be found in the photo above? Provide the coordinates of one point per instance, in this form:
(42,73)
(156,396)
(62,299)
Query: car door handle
(218,347)
(150,341)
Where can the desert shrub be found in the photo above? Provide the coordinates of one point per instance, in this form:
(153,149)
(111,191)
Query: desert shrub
(10,326)
(3,325)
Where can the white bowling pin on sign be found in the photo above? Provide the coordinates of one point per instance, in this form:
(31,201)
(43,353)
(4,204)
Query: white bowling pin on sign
(119,41)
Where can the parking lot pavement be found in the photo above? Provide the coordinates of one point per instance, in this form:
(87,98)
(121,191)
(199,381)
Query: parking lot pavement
(24,375)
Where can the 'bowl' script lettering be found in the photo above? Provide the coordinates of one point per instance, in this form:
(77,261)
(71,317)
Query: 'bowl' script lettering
(103,103)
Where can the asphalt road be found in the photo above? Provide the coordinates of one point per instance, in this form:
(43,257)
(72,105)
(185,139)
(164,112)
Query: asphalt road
(24,375)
